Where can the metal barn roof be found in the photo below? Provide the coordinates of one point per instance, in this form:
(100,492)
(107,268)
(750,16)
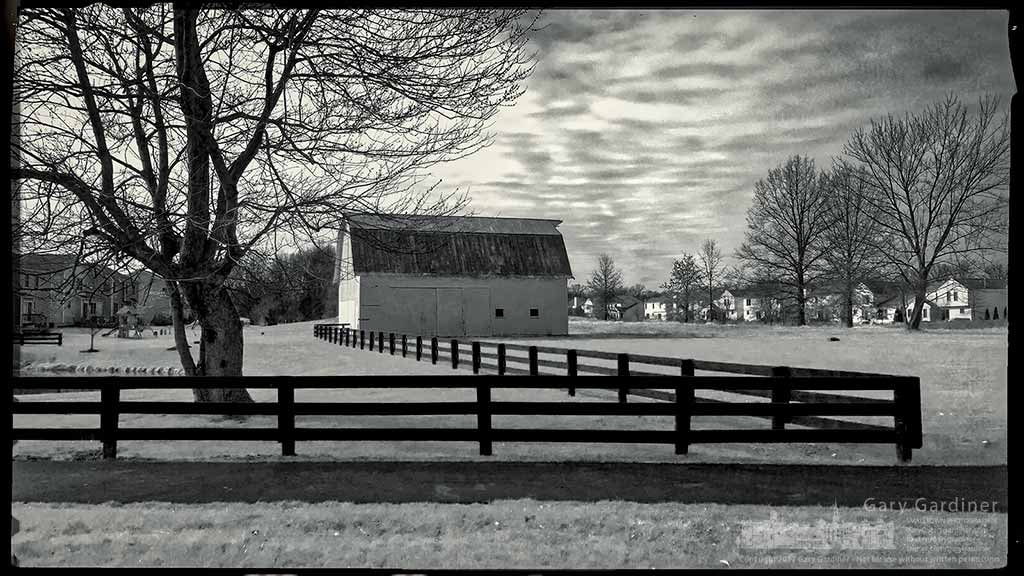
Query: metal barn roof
(458,246)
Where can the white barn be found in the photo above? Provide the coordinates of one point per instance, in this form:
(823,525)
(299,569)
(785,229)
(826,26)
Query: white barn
(452,276)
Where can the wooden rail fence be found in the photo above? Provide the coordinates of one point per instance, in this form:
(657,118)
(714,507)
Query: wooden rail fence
(798,396)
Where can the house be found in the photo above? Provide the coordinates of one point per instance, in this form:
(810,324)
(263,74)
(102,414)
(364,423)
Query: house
(58,290)
(726,307)
(658,309)
(582,303)
(964,299)
(451,276)
(827,303)
(630,309)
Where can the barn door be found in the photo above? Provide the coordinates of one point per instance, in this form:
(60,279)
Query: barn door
(476,311)
(449,312)
(414,312)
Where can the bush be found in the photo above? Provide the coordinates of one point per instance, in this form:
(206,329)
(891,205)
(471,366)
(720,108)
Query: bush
(162,319)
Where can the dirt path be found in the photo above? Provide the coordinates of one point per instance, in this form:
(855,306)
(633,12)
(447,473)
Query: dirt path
(460,482)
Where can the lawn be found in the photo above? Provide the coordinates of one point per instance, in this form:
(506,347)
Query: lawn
(963,379)
(524,534)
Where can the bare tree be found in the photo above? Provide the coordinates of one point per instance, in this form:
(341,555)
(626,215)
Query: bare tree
(786,226)
(935,184)
(711,264)
(186,139)
(605,283)
(684,283)
(853,253)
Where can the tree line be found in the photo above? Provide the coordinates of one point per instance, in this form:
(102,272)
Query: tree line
(911,199)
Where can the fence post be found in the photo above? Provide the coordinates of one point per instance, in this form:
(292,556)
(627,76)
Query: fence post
(623,373)
(533,361)
(419,348)
(109,397)
(380,342)
(362,339)
(455,354)
(501,359)
(433,350)
(286,417)
(347,332)
(405,347)
(476,357)
(684,406)
(483,418)
(391,343)
(780,393)
(570,359)
(906,394)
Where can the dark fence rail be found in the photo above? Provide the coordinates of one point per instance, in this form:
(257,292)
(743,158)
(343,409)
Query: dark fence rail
(789,386)
(23,338)
(905,409)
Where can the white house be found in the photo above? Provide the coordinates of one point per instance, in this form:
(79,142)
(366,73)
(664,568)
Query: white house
(658,309)
(583,303)
(964,299)
(452,276)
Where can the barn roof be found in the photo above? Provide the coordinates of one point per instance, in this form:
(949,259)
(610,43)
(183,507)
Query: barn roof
(457,246)
(456,224)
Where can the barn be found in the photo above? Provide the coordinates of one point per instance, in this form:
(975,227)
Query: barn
(452,276)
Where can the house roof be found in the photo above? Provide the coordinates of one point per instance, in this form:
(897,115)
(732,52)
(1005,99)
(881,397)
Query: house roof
(457,246)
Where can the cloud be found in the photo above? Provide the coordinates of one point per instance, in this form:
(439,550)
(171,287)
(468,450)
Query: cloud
(644,131)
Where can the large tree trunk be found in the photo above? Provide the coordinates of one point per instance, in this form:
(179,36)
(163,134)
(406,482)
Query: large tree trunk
(920,290)
(848,306)
(221,343)
(801,306)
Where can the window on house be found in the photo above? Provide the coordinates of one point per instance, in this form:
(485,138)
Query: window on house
(926,313)
(499,312)
(534,312)
(949,296)
(748,302)
(955,296)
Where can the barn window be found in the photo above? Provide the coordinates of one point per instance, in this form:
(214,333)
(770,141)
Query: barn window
(534,312)
(499,312)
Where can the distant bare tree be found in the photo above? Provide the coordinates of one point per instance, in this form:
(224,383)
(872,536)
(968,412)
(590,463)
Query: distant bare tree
(185,139)
(684,283)
(853,251)
(605,283)
(710,265)
(786,227)
(935,184)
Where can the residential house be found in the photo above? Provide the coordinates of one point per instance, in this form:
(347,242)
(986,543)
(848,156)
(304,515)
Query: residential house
(630,309)
(57,290)
(964,299)
(727,307)
(826,303)
(581,303)
(658,309)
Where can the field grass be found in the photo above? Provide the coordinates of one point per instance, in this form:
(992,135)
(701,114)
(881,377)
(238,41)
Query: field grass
(963,379)
(522,534)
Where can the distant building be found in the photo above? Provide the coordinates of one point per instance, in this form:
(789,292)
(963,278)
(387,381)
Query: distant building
(452,276)
(57,290)
(658,309)
(582,304)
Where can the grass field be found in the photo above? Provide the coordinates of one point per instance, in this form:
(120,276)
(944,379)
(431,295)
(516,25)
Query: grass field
(525,534)
(963,376)
(963,379)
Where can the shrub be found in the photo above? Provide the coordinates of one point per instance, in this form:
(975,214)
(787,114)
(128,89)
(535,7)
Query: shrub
(162,319)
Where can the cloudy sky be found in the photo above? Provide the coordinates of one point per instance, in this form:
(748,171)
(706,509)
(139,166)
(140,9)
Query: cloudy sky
(644,131)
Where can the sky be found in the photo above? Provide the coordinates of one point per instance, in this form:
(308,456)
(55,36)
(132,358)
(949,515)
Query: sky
(645,131)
